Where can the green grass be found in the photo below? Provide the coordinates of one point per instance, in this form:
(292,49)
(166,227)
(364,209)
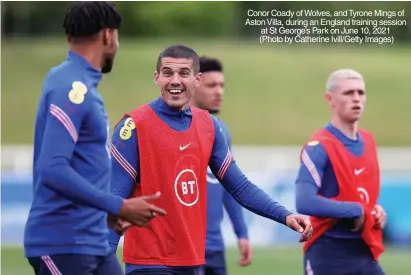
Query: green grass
(286,261)
(274,93)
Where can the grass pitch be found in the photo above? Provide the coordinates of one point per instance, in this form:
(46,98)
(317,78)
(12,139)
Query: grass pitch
(278,261)
(274,96)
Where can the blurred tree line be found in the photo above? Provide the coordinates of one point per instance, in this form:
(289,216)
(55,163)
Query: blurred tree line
(162,19)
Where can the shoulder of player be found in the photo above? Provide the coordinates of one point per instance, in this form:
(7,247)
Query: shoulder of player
(214,119)
(216,123)
(124,129)
(224,129)
(223,125)
(66,83)
(315,150)
(366,133)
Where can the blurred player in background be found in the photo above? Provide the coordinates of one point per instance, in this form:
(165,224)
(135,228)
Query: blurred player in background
(209,96)
(166,146)
(66,231)
(338,185)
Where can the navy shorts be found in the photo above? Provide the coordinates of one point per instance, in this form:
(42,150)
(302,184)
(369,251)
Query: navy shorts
(76,264)
(215,263)
(167,271)
(340,257)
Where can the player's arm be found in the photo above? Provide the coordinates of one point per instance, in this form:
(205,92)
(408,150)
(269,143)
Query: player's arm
(235,212)
(309,180)
(236,183)
(125,164)
(60,136)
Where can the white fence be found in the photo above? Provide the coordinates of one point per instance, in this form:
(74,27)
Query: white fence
(272,168)
(19,158)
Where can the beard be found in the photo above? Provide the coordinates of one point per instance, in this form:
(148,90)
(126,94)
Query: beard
(211,111)
(107,64)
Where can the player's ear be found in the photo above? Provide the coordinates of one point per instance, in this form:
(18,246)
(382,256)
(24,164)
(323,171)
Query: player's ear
(197,81)
(106,37)
(329,98)
(156,76)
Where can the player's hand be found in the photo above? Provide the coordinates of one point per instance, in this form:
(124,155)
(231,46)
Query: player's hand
(380,217)
(245,252)
(359,223)
(301,224)
(139,211)
(112,221)
(122,226)
(118,225)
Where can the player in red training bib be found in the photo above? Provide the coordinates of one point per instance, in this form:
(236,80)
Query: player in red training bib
(338,185)
(166,146)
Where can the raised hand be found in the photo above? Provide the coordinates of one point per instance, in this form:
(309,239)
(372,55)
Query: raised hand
(139,211)
(302,225)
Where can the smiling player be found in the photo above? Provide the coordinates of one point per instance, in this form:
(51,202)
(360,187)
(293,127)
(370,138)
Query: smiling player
(166,146)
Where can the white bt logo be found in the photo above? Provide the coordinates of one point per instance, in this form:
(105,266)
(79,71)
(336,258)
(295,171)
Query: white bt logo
(186,187)
(363,194)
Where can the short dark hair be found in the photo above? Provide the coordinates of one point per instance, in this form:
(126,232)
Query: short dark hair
(210,65)
(87,18)
(179,51)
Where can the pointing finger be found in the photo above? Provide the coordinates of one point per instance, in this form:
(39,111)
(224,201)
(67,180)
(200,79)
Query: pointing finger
(157,210)
(152,197)
(296,226)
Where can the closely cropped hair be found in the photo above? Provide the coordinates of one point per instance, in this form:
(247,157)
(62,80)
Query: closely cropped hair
(333,79)
(87,18)
(210,65)
(179,51)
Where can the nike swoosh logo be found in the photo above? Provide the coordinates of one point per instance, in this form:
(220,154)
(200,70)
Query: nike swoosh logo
(184,147)
(357,172)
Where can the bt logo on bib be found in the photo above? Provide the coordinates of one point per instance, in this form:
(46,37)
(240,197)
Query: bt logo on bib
(186,187)
(363,194)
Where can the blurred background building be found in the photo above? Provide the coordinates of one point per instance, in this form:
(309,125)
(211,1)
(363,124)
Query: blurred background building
(273,103)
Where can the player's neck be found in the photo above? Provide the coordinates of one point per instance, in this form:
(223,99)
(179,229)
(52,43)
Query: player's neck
(348,129)
(193,103)
(86,51)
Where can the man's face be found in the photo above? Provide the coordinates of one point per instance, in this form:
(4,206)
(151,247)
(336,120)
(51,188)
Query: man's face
(111,45)
(348,99)
(209,95)
(177,81)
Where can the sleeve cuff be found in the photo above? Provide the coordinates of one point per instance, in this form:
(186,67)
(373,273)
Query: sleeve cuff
(113,247)
(242,235)
(113,204)
(359,211)
(283,216)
